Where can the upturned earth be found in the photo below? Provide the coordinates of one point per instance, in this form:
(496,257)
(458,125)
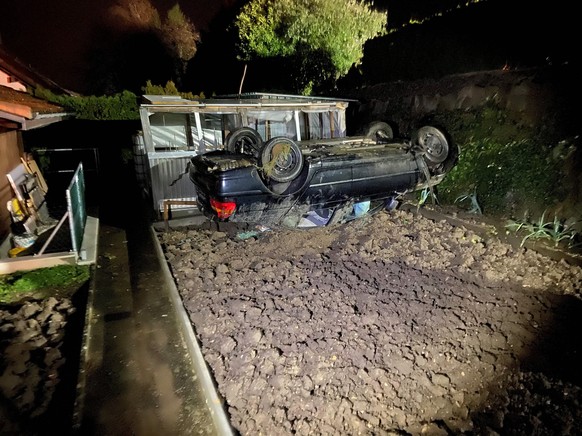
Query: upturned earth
(388,325)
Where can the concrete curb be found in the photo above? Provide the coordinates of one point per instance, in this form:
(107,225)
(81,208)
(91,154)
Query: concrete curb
(213,399)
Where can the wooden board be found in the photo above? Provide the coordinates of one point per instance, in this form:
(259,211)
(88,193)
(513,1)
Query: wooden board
(32,168)
(16,177)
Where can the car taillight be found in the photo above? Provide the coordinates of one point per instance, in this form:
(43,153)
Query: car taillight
(223,209)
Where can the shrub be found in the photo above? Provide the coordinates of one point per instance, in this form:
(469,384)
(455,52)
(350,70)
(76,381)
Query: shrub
(122,106)
(509,177)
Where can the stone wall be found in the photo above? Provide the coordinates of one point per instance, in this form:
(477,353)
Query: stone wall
(540,105)
(530,95)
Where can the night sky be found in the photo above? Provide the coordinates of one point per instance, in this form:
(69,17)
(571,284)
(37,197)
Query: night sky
(53,36)
(57,37)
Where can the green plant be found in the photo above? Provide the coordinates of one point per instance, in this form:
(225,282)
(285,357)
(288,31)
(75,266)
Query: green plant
(557,230)
(328,35)
(515,166)
(475,207)
(122,106)
(424,195)
(169,89)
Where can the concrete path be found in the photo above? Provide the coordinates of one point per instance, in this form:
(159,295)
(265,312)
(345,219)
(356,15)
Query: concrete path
(142,371)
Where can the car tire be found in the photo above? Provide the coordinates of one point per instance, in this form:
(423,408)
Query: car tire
(281,159)
(379,131)
(433,143)
(244,140)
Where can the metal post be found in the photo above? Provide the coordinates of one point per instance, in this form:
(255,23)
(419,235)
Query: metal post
(54,232)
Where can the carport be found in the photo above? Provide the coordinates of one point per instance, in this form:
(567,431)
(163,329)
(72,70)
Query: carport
(175,129)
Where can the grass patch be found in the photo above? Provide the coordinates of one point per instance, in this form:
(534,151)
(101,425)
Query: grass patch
(42,283)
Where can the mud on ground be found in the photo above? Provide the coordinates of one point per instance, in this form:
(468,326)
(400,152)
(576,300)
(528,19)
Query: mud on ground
(393,324)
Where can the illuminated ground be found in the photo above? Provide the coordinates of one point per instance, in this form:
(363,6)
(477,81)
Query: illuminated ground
(395,325)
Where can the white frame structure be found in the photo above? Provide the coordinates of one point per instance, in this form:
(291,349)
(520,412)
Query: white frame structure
(174,129)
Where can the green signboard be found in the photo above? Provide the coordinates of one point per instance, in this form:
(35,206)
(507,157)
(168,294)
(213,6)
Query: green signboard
(76,208)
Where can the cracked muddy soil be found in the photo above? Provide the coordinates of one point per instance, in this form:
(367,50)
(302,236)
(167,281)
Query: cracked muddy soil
(393,324)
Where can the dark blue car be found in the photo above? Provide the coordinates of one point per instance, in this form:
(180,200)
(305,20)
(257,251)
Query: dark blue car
(322,182)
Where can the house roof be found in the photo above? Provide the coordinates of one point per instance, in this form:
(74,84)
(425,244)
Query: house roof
(19,110)
(26,74)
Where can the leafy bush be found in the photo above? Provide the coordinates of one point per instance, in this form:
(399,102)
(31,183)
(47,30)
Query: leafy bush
(169,89)
(122,106)
(510,165)
(508,177)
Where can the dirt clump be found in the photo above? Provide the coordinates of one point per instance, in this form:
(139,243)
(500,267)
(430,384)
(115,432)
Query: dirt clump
(32,336)
(391,324)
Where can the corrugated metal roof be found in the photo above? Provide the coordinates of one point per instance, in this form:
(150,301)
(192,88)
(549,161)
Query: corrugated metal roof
(262,100)
(274,96)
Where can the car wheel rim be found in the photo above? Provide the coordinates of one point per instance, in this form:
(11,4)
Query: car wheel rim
(281,159)
(434,144)
(245,141)
(285,161)
(247,146)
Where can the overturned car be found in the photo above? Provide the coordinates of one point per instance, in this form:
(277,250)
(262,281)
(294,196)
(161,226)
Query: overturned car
(317,182)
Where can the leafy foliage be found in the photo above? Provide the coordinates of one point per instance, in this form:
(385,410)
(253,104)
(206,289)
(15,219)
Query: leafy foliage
(134,14)
(169,89)
(259,25)
(313,30)
(556,231)
(142,46)
(122,106)
(180,36)
(505,179)
(512,165)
